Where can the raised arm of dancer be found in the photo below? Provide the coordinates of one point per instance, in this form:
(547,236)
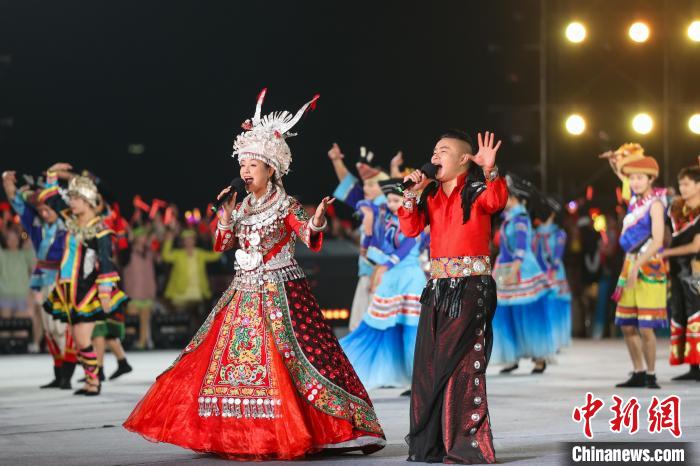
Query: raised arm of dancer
(50,195)
(395,165)
(9,184)
(167,254)
(27,214)
(495,196)
(337,156)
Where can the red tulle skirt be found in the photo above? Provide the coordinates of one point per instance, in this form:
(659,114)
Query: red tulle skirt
(170,411)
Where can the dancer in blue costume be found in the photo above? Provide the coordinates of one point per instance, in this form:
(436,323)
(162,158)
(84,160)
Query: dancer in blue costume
(381,349)
(549,246)
(352,191)
(521,326)
(47,232)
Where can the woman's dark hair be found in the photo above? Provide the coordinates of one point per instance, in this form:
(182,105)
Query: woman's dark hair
(692,173)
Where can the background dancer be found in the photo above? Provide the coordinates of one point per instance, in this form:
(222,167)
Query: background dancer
(86,288)
(382,348)
(521,327)
(352,192)
(684,258)
(549,246)
(641,288)
(47,233)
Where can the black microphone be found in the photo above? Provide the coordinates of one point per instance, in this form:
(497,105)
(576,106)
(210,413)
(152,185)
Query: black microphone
(237,186)
(429,170)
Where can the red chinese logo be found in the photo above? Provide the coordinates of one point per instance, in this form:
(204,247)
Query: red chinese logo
(626,416)
(665,415)
(662,415)
(587,412)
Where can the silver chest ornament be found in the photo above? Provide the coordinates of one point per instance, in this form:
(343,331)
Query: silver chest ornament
(248,260)
(250,227)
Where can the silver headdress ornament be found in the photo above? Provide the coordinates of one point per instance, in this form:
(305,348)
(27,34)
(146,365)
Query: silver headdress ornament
(264,137)
(365,155)
(84,187)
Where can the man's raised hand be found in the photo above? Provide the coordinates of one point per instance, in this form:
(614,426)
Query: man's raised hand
(486,155)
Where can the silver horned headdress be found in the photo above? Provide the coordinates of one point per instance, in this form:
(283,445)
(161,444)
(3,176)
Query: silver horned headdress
(264,137)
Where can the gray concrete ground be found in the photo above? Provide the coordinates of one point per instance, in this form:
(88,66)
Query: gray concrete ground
(530,414)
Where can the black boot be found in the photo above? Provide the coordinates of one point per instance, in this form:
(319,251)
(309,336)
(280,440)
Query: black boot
(66,375)
(101,374)
(637,379)
(651,381)
(123,368)
(692,374)
(509,369)
(540,370)
(56,382)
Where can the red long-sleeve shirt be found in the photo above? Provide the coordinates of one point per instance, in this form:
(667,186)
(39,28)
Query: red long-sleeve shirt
(449,237)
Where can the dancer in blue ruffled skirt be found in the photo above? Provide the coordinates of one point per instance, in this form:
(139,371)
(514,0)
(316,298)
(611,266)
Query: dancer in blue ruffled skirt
(381,349)
(521,326)
(549,246)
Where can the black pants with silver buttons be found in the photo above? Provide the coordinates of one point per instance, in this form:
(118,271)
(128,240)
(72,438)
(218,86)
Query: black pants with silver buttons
(449,410)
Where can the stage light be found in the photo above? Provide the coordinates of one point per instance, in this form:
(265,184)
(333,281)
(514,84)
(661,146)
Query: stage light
(694,123)
(575,124)
(643,123)
(694,31)
(576,32)
(639,32)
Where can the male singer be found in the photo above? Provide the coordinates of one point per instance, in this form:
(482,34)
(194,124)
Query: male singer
(449,412)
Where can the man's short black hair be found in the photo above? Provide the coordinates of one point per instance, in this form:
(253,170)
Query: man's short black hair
(461,135)
(692,173)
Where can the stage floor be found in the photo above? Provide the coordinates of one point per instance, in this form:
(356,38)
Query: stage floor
(530,414)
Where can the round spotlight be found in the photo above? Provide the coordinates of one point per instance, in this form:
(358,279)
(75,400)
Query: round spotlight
(694,123)
(694,31)
(639,32)
(575,124)
(643,123)
(576,32)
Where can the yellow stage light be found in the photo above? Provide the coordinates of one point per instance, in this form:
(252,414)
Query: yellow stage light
(694,123)
(694,31)
(639,32)
(575,124)
(576,32)
(643,123)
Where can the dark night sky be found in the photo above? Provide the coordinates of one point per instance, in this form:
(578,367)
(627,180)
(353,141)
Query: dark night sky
(87,79)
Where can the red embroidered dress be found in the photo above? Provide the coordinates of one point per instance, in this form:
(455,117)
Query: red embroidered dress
(264,377)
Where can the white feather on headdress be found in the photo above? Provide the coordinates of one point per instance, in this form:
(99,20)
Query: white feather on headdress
(264,137)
